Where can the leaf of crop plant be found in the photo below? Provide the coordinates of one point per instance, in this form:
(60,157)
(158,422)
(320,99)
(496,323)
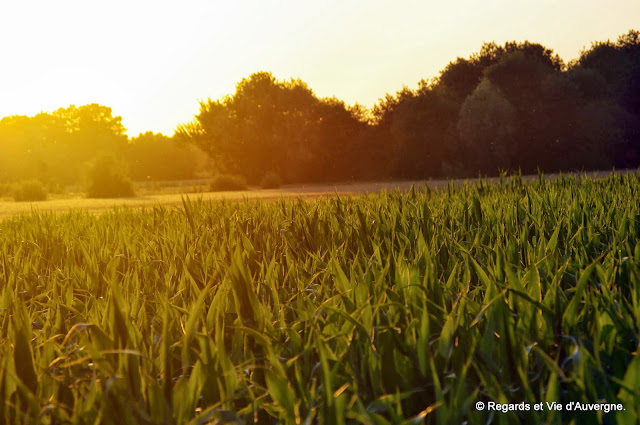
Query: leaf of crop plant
(342,281)
(445,342)
(630,392)
(246,300)
(570,316)
(195,314)
(281,392)
(22,353)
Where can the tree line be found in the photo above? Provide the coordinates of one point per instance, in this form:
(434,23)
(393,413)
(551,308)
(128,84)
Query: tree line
(512,107)
(61,147)
(508,107)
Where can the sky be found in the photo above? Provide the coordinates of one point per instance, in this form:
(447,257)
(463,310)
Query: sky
(153,61)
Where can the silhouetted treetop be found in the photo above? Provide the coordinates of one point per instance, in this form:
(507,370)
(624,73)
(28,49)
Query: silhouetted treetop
(276,127)
(456,123)
(511,106)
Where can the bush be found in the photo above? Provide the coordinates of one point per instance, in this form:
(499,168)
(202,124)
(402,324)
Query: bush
(270,181)
(31,190)
(222,182)
(107,180)
(6,189)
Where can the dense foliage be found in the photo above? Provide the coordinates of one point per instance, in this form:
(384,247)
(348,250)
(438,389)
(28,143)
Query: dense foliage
(59,148)
(53,147)
(510,107)
(30,190)
(518,106)
(107,180)
(273,127)
(388,308)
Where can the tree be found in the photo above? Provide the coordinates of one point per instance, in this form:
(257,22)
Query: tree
(30,149)
(421,126)
(154,156)
(487,129)
(107,179)
(422,131)
(461,77)
(54,147)
(270,126)
(618,64)
(91,129)
(543,100)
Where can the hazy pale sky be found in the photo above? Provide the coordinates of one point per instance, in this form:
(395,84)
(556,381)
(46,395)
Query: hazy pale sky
(151,61)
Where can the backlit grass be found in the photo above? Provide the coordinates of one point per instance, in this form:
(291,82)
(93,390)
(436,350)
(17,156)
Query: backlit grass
(386,308)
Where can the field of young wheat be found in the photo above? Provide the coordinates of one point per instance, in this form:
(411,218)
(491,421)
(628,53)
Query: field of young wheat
(391,308)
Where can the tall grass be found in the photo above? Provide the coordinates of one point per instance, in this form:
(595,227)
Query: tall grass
(401,308)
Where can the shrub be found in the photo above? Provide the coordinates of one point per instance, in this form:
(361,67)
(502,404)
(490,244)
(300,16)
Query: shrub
(222,182)
(270,181)
(31,190)
(107,180)
(6,189)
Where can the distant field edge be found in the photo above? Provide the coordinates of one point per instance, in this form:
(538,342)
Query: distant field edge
(11,208)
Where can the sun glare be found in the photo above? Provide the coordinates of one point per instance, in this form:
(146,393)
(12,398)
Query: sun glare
(329,211)
(152,61)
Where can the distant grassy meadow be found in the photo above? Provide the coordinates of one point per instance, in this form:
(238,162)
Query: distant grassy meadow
(388,308)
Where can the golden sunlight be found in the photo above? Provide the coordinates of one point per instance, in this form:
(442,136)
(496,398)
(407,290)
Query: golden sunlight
(151,61)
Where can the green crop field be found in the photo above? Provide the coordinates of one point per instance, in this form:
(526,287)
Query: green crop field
(390,308)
